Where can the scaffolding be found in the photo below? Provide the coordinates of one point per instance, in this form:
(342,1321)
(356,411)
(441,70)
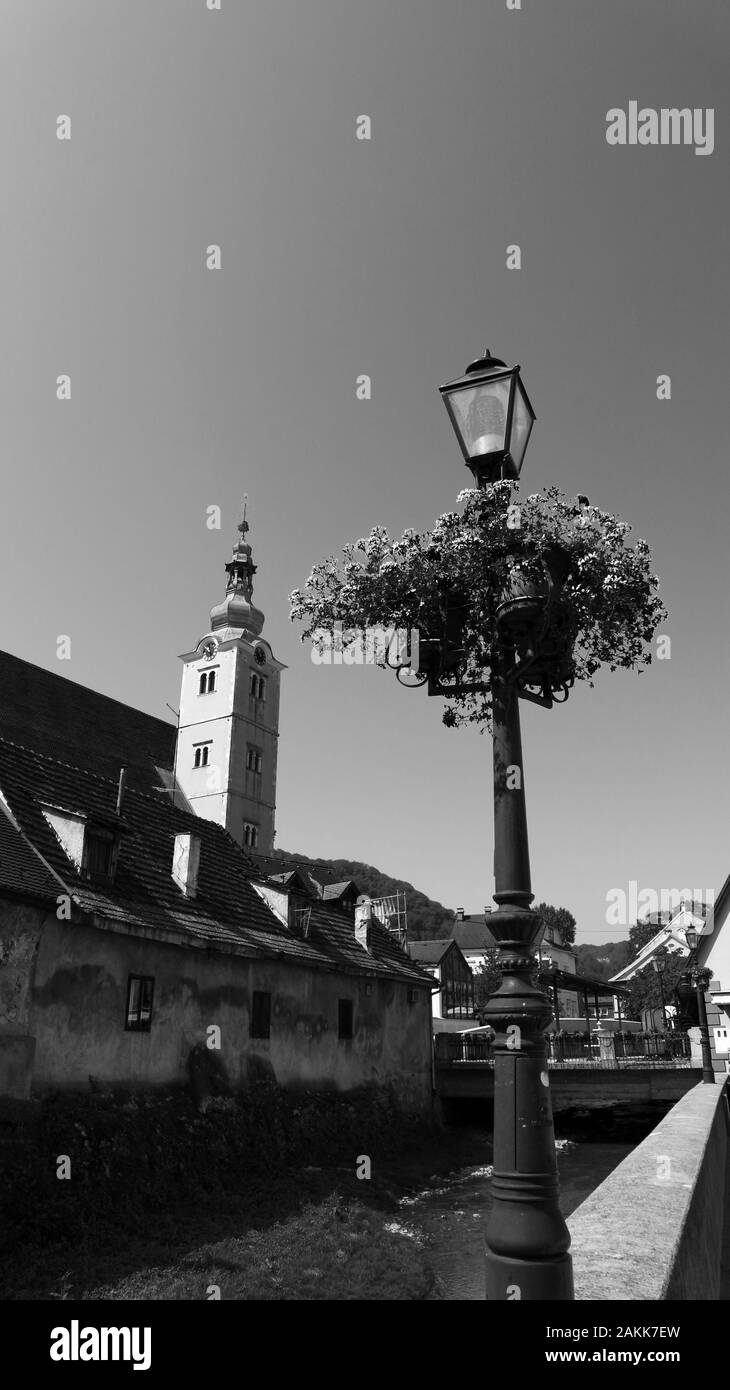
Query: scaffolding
(391,912)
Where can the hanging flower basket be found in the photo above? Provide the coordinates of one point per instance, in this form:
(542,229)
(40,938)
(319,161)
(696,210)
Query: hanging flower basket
(530,589)
(553,665)
(552,577)
(523,599)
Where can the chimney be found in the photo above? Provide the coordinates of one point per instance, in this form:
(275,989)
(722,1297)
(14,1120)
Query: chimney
(185,862)
(363,918)
(459,914)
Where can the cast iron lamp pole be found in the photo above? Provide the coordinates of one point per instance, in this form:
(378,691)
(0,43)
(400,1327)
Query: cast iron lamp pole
(699,980)
(526,1235)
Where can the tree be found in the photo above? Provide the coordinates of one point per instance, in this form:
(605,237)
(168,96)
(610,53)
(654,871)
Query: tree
(646,988)
(486,981)
(643,932)
(561,919)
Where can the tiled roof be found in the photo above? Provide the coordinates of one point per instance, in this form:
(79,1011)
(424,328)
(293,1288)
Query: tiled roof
(428,952)
(43,710)
(473,935)
(332,891)
(21,869)
(318,878)
(227,911)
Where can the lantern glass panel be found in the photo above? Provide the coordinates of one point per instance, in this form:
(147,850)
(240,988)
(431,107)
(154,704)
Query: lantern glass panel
(522,422)
(481,413)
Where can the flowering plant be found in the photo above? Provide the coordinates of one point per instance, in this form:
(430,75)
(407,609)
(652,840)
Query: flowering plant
(609,600)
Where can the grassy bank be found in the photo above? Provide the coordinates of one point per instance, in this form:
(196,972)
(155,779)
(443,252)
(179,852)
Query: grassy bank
(166,1199)
(331,1250)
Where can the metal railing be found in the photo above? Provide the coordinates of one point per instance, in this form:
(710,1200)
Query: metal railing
(597,1051)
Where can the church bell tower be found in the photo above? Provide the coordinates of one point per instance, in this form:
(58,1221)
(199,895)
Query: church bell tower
(229,713)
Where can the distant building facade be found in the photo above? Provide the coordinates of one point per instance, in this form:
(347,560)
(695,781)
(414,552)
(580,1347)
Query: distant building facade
(454,997)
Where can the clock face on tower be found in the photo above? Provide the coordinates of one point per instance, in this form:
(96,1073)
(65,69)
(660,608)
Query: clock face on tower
(260,655)
(210,649)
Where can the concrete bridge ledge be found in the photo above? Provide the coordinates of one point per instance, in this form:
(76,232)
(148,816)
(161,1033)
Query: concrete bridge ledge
(654,1228)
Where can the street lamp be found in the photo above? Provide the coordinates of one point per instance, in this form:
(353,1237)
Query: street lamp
(492,416)
(526,1235)
(659,965)
(699,979)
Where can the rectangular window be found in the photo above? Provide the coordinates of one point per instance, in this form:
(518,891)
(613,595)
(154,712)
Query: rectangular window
(261,1014)
(250,836)
(254,760)
(98,854)
(140,989)
(200,757)
(344,1018)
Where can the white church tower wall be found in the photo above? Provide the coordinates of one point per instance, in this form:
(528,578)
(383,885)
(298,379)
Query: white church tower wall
(229,715)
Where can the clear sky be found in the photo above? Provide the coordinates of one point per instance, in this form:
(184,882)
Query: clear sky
(387,257)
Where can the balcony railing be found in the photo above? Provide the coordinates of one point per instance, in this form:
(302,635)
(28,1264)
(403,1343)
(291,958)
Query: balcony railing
(599,1051)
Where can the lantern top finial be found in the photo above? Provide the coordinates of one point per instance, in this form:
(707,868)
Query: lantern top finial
(485,363)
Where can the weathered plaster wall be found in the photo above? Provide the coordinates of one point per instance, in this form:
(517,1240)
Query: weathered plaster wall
(77,1009)
(21,927)
(653,1229)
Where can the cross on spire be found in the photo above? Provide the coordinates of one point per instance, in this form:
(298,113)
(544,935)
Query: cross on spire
(243,525)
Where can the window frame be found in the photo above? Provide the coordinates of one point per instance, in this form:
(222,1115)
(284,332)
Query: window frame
(207,685)
(345,1020)
(200,754)
(95,837)
(258,686)
(260,1016)
(134,1022)
(255,754)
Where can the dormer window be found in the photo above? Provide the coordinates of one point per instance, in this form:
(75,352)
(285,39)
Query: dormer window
(99,854)
(207,683)
(90,842)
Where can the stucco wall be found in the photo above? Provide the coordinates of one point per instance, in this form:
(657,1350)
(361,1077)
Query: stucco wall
(76,994)
(715,955)
(653,1229)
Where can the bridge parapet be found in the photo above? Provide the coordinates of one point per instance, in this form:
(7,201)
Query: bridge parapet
(654,1228)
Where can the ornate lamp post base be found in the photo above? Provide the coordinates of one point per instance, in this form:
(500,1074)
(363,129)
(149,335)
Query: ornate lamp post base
(543,1280)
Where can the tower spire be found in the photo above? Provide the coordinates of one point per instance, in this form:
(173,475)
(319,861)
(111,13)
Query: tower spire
(237,613)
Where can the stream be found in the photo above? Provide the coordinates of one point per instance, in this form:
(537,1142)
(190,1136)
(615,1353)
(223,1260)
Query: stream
(451,1210)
